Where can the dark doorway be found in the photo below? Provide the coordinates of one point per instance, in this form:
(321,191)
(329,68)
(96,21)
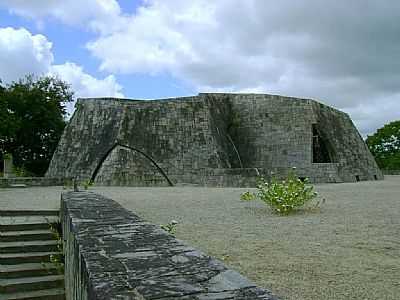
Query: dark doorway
(320,147)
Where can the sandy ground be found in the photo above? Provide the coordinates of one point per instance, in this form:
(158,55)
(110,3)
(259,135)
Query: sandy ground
(350,249)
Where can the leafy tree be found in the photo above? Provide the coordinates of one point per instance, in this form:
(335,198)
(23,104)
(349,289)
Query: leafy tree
(32,118)
(385,146)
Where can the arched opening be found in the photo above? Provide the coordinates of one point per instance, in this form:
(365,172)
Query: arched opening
(149,158)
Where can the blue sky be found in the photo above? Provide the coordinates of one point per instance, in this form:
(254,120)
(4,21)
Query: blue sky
(346,56)
(69,45)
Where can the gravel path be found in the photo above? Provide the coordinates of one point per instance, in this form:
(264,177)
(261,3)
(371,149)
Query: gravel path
(348,250)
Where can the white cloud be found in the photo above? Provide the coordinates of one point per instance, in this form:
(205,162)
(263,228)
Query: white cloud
(317,49)
(344,54)
(97,14)
(85,84)
(22,53)
(156,38)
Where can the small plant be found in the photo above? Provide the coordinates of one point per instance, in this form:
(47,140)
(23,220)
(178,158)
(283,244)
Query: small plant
(67,184)
(284,196)
(87,184)
(225,257)
(21,172)
(247,196)
(57,259)
(170,227)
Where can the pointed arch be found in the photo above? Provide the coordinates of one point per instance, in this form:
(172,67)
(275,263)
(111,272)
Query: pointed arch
(100,164)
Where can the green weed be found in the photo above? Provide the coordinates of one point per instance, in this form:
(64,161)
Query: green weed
(284,197)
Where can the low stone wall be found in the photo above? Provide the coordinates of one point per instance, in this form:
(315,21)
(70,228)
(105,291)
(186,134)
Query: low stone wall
(236,177)
(32,181)
(111,253)
(224,177)
(245,177)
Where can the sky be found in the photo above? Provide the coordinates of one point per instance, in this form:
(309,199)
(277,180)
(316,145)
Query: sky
(342,53)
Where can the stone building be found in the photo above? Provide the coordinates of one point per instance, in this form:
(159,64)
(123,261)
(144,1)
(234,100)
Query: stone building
(210,139)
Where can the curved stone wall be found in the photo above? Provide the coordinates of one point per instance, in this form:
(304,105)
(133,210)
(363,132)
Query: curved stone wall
(187,137)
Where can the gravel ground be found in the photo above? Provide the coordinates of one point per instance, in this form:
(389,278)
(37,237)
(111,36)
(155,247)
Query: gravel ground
(350,249)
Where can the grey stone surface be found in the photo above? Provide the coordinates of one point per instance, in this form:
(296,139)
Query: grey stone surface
(210,140)
(111,253)
(8,168)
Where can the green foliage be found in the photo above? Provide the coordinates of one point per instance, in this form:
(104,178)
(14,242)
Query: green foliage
(87,184)
(32,113)
(68,184)
(247,196)
(57,259)
(385,146)
(284,196)
(170,227)
(22,172)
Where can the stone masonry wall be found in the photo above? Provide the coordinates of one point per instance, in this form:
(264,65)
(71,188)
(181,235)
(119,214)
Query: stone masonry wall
(275,132)
(186,140)
(128,167)
(111,253)
(176,134)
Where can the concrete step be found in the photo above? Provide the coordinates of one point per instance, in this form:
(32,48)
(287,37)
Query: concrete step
(22,223)
(49,294)
(13,213)
(18,220)
(23,227)
(27,235)
(28,246)
(22,258)
(31,283)
(17,185)
(28,270)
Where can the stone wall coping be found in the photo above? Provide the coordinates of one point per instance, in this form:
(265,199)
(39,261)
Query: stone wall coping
(33,181)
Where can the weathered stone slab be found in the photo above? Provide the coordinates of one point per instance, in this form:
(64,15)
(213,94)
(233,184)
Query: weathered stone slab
(8,167)
(111,253)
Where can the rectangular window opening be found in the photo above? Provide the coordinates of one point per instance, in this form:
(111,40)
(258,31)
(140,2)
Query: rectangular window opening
(320,147)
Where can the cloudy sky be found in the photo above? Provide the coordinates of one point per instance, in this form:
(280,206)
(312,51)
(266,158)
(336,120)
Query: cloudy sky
(343,53)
